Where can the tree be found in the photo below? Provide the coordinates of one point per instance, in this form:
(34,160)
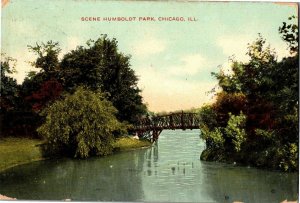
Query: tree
(47,54)
(9,86)
(34,88)
(266,91)
(226,142)
(81,125)
(226,103)
(290,34)
(101,65)
(48,92)
(208,117)
(252,78)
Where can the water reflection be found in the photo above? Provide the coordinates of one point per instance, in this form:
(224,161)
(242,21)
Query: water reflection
(248,185)
(169,171)
(182,177)
(113,178)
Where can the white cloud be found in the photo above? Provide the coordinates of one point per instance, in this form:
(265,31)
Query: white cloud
(227,68)
(235,45)
(191,64)
(24,57)
(148,46)
(22,66)
(148,42)
(25,31)
(71,44)
(165,93)
(281,50)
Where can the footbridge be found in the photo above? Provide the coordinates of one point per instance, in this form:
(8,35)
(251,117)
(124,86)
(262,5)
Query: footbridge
(150,127)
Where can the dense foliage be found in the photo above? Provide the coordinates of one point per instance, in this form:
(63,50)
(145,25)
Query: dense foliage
(255,117)
(42,86)
(81,125)
(14,119)
(49,91)
(8,85)
(101,65)
(98,65)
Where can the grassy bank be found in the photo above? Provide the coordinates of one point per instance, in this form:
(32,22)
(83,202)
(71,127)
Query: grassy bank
(128,143)
(16,151)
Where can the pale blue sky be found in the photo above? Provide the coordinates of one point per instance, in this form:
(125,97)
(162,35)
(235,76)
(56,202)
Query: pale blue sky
(172,59)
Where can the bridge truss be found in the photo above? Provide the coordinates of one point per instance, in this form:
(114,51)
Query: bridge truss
(151,127)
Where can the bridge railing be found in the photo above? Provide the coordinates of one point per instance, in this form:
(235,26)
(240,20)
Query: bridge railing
(169,121)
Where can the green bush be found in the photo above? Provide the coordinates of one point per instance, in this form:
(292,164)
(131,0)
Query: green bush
(214,139)
(235,130)
(231,137)
(224,142)
(81,125)
(208,117)
(285,157)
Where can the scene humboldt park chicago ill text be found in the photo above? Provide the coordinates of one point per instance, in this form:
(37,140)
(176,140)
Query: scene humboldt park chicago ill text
(144,101)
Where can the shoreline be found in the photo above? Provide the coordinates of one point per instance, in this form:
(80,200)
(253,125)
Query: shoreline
(22,163)
(131,145)
(123,144)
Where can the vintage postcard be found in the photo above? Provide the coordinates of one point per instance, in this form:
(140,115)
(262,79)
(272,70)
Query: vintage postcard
(149,101)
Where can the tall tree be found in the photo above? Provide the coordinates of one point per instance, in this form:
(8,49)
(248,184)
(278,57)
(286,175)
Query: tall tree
(47,53)
(100,65)
(266,92)
(42,86)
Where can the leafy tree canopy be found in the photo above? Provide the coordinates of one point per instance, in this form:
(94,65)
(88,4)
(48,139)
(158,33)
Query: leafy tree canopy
(47,54)
(98,65)
(290,34)
(47,64)
(266,91)
(81,125)
(101,65)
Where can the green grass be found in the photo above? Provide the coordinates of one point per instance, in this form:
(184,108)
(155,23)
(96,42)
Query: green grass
(127,143)
(16,151)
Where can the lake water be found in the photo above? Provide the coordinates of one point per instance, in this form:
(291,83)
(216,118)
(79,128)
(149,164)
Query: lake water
(169,171)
